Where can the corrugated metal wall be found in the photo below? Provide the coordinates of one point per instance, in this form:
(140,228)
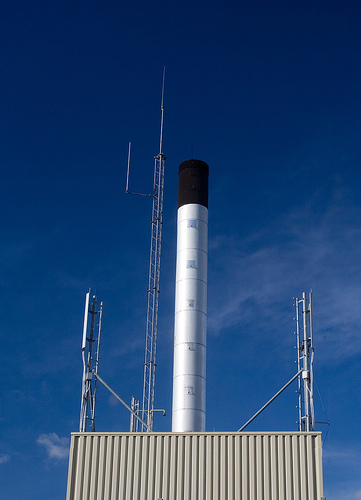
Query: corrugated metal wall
(195,466)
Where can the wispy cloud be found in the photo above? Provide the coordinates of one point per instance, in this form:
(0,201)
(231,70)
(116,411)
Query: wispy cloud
(347,456)
(4,458)
(57,448)
(255,278)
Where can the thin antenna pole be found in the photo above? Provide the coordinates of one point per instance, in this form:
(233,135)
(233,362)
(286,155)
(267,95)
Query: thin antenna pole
(127,184)
(127,181)
(84,403)
(311,318)
(305,373)
(154,277)
(96,359)
(305,355)
(298,345)
(99,335)
(162,116)
(312,410)
(90,360)
(146,409)
(85,326)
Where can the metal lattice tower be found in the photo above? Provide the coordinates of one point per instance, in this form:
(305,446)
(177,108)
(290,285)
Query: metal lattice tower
(90,363)
(146,408)
(153,286)
(304,375)
(305,355)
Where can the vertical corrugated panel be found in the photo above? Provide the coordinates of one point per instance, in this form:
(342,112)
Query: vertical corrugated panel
(195,466)
(266,469)
(166,467)
(237,469)
(318,466)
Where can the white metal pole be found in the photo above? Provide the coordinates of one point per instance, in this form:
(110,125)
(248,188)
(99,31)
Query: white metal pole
(85,325)
(84,400)
(305,373)
(298,344)
(312,347)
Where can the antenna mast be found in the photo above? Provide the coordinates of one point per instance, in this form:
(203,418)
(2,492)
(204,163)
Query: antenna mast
(305,354)
(90,363)
(146,409)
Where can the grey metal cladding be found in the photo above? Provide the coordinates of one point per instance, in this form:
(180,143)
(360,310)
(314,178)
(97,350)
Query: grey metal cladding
(195,466)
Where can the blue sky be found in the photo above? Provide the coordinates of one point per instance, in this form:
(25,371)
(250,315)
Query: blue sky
(268,94)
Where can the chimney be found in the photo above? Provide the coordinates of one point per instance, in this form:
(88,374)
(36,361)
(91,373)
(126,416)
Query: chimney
(190,329)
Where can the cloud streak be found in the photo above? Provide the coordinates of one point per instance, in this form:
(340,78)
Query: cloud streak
(56,448)
(257,280)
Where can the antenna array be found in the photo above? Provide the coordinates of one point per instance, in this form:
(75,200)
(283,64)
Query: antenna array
(90,362)
(305,355)
(146,409)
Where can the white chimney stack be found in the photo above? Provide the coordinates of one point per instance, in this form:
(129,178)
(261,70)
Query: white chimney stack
(190,329)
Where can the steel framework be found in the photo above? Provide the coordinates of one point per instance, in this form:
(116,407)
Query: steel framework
(146,409)
(90,363)
(153,292)
(305,355)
